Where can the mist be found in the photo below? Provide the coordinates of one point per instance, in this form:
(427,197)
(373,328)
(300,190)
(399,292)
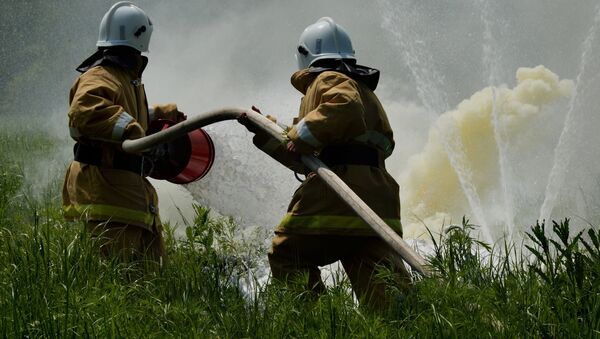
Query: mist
(432,56)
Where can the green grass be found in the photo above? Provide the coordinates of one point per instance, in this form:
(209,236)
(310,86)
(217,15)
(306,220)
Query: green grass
(52,283)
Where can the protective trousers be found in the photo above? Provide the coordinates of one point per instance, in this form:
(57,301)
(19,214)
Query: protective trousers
(294,255)
(128,242)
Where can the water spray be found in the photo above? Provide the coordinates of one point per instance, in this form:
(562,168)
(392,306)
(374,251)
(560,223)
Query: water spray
(327,175)
(562,152)
(429,84)
(491,61)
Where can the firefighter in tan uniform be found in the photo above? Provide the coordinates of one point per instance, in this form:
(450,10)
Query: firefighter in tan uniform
(104,186)
(343,122)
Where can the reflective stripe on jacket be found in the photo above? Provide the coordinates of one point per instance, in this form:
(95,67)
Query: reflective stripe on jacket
(336,109)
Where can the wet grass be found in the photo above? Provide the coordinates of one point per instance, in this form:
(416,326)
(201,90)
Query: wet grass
(52,283)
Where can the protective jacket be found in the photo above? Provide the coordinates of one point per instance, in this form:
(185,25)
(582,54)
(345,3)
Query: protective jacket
(107,105)
(342,121)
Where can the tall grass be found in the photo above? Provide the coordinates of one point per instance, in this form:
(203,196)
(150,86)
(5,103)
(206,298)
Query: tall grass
(53,284)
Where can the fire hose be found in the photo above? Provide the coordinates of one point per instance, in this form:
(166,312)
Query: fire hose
(314,164)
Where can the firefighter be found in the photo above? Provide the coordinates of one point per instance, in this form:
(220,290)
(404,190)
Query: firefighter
(342,121)
(105,187)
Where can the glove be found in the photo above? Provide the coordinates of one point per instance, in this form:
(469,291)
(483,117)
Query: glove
(134,131)
(169,112)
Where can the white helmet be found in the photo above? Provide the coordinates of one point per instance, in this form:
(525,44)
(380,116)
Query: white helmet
(125,25)
(323,40)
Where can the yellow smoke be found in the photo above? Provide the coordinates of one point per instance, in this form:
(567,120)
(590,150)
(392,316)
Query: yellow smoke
(431,191)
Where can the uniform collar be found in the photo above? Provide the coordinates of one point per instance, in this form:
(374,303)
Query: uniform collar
(367,75)
(120,56)
(302,79)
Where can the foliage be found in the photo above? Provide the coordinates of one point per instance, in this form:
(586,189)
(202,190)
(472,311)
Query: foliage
(53,284)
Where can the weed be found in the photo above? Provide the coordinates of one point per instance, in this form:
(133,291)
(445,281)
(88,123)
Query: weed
(53,284)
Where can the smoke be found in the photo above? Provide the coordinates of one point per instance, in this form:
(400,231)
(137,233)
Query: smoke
(431,192)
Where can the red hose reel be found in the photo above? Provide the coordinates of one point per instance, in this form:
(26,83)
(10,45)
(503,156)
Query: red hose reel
(183,160)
